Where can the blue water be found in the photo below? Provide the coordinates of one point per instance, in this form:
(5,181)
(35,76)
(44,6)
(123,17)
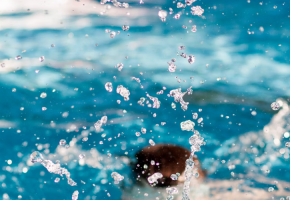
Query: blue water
(254,71)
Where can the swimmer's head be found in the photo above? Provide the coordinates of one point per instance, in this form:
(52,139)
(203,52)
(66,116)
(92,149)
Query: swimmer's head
(169,159)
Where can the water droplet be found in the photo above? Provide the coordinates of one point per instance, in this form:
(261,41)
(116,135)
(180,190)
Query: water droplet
(125,28)
(171,67)
(143,130)
(36,157)
(182,48)
(200,120)
(120,66)
(187,125)
(43,95)
(177,16)
(173,105)
(189,2)
(162,14)
(191,59)
(138,134)
(109,86)
(194,115)
(275,106)
(104,119)
(197,10)
(183,55)
(18,57)
(62,142)
(124,92)
(41,59)
(193,28)
(180,5)
(75,195)
(174,177)
(117,177)
(112,34)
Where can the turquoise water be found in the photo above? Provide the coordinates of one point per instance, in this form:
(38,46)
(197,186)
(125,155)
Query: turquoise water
(234,74)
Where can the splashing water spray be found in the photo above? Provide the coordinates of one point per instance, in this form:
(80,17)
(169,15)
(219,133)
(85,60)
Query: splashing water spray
(195,141)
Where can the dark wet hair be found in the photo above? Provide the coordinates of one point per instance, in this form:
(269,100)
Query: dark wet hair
(171,159)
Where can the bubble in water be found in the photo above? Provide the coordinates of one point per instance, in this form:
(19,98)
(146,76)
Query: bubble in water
(152,162)
(143,130)
(200,120)
(82,156)
(191,59)
(275,7)
(187,125)
(56,180)
(162,14)
(275,106)
(287,144)
(151,142)
(66,146)
(62,142)
(270,189)
(120,66)
(53,45)
(43,95)
(197,10)
(112,34)
(125,28)
(41,59)
(117,177)
(13,89)
(2,64)
(193,28)
(18,57)
(194,115)
(75,195)
(109,86)
(138,134)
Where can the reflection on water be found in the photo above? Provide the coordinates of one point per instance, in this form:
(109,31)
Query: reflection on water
(62,71)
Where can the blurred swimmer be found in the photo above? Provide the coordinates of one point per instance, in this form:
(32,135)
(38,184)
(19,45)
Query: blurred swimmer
(169,160)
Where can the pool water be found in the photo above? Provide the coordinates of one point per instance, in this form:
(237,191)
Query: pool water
(241,66)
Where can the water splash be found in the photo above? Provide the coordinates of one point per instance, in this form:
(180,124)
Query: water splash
(36,157)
